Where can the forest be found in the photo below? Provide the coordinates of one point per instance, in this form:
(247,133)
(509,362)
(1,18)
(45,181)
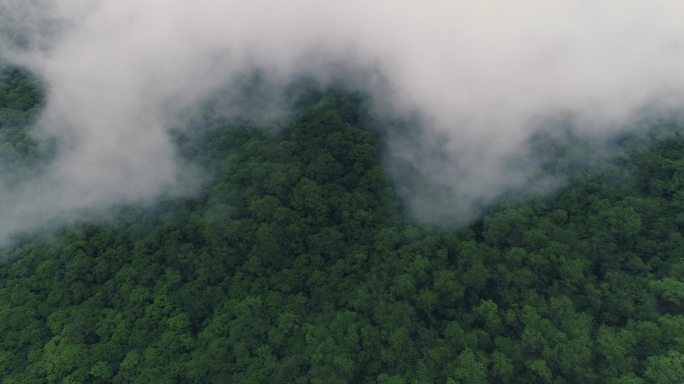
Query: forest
(298,263)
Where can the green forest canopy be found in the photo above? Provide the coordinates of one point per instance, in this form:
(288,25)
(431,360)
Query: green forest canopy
(297,265)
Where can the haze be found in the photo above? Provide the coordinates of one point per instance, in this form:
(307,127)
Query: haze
(479,76)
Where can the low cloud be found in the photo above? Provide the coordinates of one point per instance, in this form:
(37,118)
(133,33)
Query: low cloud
(477,76)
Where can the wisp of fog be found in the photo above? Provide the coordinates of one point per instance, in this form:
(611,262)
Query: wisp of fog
(478,77)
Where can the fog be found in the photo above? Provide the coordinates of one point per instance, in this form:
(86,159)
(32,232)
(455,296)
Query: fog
(478,77)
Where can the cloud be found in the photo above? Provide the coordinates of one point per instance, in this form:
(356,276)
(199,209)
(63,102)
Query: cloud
(479,76)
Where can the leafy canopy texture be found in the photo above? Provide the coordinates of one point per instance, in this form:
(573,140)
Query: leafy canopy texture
(297,265)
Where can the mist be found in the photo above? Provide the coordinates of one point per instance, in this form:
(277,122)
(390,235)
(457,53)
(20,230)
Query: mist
(478,78)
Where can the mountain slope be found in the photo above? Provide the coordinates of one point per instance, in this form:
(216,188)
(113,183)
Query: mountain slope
(298,265)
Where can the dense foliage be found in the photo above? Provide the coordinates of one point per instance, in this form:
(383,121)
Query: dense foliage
(296,265)
(20,98)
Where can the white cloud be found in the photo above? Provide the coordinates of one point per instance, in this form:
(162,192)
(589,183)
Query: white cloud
(479,73)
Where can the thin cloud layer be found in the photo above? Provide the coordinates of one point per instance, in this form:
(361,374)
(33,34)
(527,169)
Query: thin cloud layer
(479,75)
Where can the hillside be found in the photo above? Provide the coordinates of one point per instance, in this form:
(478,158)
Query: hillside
(297,263)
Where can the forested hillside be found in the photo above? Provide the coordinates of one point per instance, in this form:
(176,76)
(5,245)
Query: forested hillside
(297,264)
(20,99)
